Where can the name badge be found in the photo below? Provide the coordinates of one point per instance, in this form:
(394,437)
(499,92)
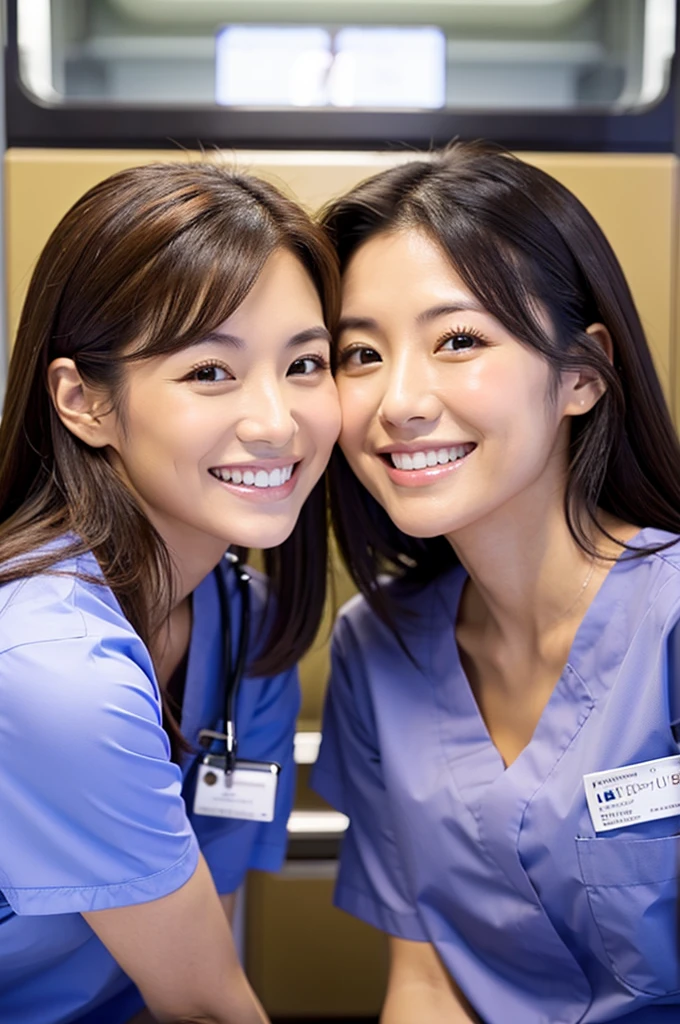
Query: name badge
(248,793)
(633,794)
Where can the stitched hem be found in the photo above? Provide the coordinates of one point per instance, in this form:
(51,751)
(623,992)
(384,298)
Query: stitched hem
(79,899)
(358,904)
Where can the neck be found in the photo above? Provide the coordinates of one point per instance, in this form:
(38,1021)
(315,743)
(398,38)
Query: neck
(528,575)
(191,564)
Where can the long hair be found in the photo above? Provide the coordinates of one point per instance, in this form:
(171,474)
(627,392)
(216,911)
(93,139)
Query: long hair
(521,242)
(150,261)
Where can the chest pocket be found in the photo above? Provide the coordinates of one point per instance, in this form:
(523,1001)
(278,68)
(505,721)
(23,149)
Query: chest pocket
(632,887)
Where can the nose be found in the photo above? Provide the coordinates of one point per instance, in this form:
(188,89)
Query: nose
(410,397)
(267,417)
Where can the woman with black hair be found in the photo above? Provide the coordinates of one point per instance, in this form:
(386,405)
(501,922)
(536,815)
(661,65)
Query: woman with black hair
(500,722)
(169,398)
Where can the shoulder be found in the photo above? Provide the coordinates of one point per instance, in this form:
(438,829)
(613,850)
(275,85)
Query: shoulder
(69,600)
(415,609)
(65,645)
(650,581)
(669,555)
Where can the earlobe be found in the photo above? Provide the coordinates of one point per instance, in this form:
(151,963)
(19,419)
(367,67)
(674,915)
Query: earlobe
(79,408)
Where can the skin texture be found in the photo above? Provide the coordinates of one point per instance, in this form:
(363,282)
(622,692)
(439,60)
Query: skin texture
(406,383)
(180,952)
(267,400)
(422,366)
(228,902)
(256,394)
(419,988)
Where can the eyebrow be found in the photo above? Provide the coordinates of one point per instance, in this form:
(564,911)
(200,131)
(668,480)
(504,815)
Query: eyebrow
(448,307)
(319,333)
(367,323)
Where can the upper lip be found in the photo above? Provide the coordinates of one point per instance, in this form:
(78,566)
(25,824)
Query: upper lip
(422,446)
(266,464)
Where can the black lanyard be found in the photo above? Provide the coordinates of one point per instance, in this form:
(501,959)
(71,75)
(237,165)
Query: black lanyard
(232,672)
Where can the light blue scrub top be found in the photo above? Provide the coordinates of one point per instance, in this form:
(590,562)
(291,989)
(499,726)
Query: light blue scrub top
(92,811)
(538,919)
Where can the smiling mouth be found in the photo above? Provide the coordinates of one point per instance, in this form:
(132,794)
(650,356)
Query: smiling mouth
(256,477)
(427,458)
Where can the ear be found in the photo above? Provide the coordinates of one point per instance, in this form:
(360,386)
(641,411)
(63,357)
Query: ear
(82,410)
(587,387)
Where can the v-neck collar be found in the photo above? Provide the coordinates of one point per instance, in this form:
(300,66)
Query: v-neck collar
(569,704)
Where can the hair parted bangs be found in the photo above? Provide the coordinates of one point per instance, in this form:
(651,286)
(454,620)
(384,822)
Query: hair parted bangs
(174,263)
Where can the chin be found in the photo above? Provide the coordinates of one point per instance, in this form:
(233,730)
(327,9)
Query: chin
(421,527)
(263,539)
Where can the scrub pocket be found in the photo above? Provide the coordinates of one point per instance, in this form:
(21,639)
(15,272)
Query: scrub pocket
(632,887)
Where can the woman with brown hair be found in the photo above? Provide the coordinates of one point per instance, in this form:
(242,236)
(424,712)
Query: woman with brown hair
(169,398)
(502,718)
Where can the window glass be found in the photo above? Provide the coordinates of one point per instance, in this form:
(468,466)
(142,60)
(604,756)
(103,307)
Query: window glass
(467,55)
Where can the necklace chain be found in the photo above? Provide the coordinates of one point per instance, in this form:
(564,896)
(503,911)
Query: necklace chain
(582,590)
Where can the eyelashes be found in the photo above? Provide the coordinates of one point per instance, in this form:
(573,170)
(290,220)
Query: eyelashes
(214,372)
(462,334)
(208,371)
(459,339)
(343,357)
(317,362)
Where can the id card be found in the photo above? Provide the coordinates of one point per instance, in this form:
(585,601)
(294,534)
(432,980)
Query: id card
(634,793)
(248,793)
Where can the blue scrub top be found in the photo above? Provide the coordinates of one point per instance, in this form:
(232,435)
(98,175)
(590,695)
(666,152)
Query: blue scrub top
(538,919)
(92,811)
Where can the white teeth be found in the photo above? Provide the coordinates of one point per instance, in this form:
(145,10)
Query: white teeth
(425,459)
(257,478)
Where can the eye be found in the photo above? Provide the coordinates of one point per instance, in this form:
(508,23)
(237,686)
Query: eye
(305,366)
(355,356)
(465,340)
(210,373)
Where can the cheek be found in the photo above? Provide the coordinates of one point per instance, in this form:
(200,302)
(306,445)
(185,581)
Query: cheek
(321,414)
(359,404)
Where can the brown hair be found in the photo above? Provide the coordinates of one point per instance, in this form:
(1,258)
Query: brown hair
(153,257)
(519,241)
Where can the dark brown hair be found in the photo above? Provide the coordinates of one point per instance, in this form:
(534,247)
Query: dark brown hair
(521,242)
(152,258)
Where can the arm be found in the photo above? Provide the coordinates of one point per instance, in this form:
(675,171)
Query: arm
(419,988)
(228,900)
(179,952)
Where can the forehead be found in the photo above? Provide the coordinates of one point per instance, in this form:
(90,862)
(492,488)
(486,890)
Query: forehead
(406,265)
(284,288)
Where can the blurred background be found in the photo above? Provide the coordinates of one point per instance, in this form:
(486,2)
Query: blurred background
(316,95)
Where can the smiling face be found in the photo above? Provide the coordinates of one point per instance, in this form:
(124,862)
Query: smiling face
(448,420)
(222,442)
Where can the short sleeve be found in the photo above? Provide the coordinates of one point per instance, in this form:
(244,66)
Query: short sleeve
(348,774)
(90,803)
(269,709)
